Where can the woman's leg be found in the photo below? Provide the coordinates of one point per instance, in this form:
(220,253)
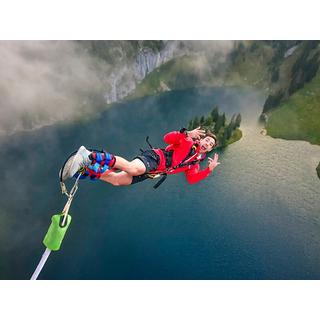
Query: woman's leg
(117,178)
(134,168)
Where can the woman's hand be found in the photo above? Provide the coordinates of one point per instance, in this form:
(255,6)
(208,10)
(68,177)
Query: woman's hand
(196,133)
(212,163)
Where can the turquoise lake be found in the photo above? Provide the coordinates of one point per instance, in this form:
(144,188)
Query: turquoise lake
(256,217)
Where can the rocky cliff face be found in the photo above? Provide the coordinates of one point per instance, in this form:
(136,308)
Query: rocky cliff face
(44,82)
(128,72)
(147,59)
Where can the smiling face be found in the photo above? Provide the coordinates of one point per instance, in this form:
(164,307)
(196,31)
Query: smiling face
(207,144)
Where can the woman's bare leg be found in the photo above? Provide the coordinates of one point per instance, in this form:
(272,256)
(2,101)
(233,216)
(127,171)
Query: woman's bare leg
(117,178)
(134,168)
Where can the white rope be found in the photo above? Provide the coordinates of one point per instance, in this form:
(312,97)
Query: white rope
(41,264)
(65,214)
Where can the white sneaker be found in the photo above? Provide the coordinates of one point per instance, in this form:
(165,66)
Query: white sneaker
(75,163)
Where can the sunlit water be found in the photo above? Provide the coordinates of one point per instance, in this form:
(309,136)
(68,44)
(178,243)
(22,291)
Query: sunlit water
(256,217)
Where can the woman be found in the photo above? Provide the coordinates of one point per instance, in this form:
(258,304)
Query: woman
(184,152)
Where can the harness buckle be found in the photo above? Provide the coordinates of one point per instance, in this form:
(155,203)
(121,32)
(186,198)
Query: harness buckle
(153,175)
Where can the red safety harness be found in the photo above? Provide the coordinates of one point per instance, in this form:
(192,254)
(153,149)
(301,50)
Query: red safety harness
(191,159)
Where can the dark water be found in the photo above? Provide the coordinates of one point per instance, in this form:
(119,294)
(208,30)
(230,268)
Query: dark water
(256,217)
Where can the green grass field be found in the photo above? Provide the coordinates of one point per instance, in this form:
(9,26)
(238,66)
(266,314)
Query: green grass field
(298,118)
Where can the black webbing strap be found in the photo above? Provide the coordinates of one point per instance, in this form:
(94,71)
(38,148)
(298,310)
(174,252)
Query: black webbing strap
(163,178)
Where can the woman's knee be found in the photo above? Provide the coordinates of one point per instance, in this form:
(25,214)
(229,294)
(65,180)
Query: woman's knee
(136,169)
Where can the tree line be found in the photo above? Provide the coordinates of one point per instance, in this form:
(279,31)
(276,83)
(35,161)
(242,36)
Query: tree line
(217,124)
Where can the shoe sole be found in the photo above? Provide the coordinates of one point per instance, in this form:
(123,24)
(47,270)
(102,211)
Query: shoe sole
(72,165)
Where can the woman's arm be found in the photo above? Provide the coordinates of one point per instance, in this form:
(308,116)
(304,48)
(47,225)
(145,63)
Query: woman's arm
(175,137)
(195,175)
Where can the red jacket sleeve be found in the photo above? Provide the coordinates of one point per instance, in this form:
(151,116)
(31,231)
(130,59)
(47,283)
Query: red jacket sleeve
(174,137)
(195,175)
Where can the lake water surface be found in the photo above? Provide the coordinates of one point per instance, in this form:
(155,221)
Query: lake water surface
(256,217)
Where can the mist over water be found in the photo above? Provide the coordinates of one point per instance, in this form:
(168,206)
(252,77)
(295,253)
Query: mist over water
(43,82)
(255,217)
(46,82)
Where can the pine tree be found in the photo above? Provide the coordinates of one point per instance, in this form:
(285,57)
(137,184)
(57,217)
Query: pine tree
(223,119)
(208,121)
(196,122)
(238,120)
(224,137)
(232,123)
(219,124)
(229,130)
(215,114)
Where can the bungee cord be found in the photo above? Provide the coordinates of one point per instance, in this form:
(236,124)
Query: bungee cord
(58,227)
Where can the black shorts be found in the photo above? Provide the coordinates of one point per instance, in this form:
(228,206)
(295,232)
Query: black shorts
(151,161)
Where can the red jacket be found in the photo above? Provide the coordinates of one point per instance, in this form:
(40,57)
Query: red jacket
(181,146)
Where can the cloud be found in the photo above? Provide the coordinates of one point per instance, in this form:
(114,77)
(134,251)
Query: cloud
(42,82)
(210,56)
